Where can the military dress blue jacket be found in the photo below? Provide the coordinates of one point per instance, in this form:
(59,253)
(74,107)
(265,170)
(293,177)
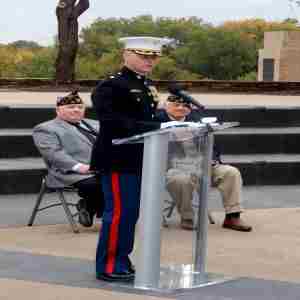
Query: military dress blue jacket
(125,105)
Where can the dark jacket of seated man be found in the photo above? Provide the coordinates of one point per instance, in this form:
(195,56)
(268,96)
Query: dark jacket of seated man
(65,144)
(193,116)
(225,177)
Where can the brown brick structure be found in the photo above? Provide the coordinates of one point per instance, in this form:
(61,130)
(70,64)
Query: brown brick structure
(280,58)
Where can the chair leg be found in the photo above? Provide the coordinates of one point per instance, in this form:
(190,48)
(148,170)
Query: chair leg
(42,192)
(211,218)
(68,212)
(167,212)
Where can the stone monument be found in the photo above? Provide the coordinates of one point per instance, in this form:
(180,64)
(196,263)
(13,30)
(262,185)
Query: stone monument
(280,58)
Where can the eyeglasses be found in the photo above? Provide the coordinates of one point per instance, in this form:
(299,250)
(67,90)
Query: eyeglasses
(177,104)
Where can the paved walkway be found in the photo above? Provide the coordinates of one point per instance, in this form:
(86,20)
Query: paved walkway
(53,255)
(53,259)
(49,98)
(49,262)
(11,289)
(271,251)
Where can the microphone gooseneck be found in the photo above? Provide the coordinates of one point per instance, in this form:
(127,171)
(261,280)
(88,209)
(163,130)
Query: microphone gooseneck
(177,91)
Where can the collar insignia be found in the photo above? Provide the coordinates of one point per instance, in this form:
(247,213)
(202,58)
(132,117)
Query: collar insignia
(135,91)
(154,93)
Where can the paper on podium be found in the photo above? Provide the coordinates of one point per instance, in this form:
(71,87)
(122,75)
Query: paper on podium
(196,128)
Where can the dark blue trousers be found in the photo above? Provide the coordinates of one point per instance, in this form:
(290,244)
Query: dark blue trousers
(121,210)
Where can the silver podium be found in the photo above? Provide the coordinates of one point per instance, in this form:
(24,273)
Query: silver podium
(150,274)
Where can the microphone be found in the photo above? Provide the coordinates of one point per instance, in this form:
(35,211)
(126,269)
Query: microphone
(177,91)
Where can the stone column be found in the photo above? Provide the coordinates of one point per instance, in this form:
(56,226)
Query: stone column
(280,58)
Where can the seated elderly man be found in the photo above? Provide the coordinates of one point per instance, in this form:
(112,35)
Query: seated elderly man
(226,178)
(66,143)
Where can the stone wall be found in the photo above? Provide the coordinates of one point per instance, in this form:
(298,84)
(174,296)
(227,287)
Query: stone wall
(201,86)
(284,48)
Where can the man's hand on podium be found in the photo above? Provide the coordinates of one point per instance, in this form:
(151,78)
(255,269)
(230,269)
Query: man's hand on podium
(172,124)
(180,124)
(193,124)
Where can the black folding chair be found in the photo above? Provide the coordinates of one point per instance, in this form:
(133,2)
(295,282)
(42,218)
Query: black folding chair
(62,202)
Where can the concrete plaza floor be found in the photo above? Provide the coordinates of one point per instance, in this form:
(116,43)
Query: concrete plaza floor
(39,257)
(49,262)
(14,97)
(271,251)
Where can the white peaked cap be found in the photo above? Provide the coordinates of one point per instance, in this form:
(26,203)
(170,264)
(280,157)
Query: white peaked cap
(146,45)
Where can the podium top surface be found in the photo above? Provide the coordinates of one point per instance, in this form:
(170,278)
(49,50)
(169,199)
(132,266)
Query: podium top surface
(180,132)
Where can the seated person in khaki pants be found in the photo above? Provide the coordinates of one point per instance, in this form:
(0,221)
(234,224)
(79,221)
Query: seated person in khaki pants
(226,178)
(66,143)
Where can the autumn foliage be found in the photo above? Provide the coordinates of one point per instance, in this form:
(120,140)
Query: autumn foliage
(227,51)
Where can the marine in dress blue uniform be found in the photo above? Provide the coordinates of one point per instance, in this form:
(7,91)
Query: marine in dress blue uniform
(125,104)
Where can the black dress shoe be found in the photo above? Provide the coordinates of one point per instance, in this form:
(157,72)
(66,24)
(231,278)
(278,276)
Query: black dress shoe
(131,269)
(84,217)
(125,276)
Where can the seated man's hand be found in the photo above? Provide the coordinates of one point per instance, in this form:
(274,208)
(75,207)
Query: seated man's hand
(193,124)
(83,169)
(180,124)
(172,124)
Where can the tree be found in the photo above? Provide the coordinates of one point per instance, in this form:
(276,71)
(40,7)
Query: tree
(91,68)
(68,12)
(255,28)
(218,54)
(168,70)
(25,44)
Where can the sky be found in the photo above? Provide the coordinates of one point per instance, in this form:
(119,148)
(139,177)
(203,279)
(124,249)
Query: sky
(35,20)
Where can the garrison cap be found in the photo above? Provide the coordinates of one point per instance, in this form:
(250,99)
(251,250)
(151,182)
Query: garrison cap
(72,98)
(177,99)
(145,45)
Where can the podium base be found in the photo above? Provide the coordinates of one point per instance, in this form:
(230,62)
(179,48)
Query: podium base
(174,278)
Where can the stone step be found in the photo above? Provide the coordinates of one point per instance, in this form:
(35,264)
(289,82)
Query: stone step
(266,169)
(18,143)
(25,117)
(256,116)
(248,116)
(253,140)
(23,175)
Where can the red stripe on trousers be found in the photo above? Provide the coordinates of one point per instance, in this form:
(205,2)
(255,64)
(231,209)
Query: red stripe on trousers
(114,228)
